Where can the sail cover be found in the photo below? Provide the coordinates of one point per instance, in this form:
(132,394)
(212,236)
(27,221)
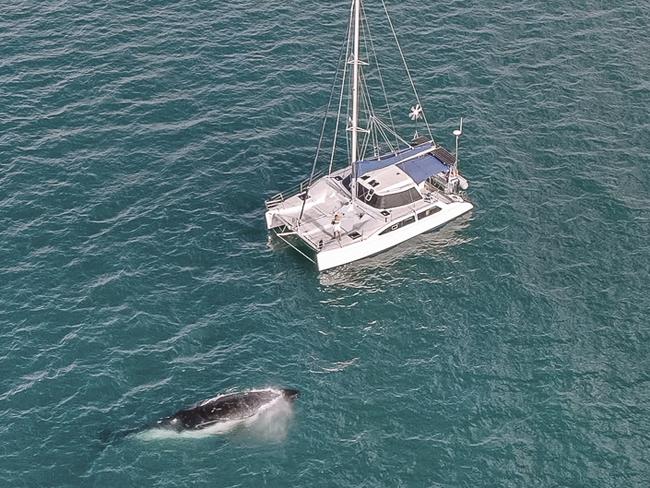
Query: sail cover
(365,166)
(419,169)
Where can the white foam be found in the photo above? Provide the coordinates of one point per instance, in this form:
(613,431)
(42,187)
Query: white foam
(271,424)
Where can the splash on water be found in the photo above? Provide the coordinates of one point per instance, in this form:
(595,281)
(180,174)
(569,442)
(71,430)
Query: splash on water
(271,424)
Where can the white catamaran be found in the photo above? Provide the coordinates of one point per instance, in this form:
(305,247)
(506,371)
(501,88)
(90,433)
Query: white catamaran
(399,190)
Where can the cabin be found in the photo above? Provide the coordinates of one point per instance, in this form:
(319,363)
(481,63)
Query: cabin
(397,180)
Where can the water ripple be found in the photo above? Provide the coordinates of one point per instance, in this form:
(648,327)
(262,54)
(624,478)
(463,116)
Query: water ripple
(138,142)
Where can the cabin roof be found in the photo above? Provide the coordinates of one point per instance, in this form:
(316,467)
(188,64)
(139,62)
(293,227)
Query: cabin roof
(387,180)
(367,165)
(394,167)
(419,169)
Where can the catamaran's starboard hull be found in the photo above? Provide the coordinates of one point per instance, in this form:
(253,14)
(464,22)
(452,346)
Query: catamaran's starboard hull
(378,243)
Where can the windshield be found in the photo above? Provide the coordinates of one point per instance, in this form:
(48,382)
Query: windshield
(391,200)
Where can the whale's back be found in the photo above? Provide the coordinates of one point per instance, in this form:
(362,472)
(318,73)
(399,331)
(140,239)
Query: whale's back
(228,407)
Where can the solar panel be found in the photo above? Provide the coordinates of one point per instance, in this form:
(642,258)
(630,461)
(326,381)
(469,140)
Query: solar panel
(445,156)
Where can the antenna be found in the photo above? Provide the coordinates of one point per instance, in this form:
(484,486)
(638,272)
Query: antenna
(458,133)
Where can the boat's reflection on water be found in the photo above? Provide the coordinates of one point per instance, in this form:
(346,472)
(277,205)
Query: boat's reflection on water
(393,265)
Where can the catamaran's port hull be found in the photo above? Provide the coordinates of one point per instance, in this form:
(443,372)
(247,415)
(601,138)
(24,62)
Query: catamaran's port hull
(381,241)
(378,243)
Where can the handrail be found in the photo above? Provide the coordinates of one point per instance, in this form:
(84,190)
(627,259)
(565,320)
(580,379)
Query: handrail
(293,191)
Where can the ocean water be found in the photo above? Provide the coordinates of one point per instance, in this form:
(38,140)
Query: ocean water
(138,141)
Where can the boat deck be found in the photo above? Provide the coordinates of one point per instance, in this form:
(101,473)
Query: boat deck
(328,197)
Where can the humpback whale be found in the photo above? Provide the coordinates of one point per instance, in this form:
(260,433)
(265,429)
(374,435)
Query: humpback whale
(228,407)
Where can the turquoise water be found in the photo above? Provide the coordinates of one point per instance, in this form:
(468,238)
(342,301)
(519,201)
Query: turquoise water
(137,143)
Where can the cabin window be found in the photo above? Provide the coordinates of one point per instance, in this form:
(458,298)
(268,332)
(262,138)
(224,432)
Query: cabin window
(399,199)
(398,225)
(428,211)
(391,200)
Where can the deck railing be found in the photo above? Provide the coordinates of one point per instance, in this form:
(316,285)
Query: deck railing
(279,198)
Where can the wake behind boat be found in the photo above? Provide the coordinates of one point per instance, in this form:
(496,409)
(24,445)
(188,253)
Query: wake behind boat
(391,189)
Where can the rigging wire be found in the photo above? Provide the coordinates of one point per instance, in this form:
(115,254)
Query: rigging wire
(367,102)
(338,115)
(372,120)
(375,140)
(382,132)
(322,132)
(380,76)
(391,131)
(349,60)
(408,73)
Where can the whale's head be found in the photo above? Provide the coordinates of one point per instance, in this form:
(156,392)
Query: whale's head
(289,394)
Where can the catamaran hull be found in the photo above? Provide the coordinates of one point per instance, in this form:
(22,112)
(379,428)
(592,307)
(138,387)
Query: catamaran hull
(378,243)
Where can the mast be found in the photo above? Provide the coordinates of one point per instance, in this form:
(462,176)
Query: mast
(355,94)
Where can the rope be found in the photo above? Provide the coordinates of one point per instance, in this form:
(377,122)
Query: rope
(382,133)
(381,124)
(375,140)
(408,73)
(322,133)
(338,115)
(381,78)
